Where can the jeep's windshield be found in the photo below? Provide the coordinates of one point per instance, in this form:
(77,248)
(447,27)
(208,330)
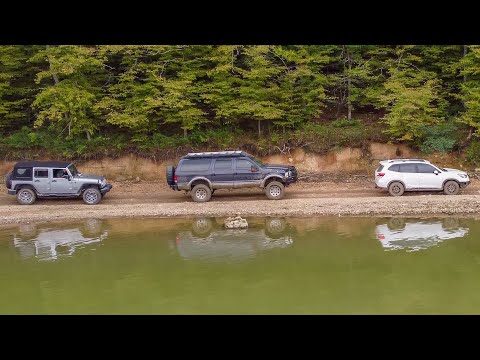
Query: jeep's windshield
(73,170)
(255,160)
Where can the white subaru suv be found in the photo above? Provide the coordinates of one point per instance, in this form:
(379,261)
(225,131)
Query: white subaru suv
(400,175)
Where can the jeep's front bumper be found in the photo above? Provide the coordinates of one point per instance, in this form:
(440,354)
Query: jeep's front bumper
(106,189)
(12,192)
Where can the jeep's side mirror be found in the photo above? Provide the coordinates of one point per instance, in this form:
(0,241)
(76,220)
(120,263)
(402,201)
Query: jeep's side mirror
(436,172)
(254,169)
(66,176)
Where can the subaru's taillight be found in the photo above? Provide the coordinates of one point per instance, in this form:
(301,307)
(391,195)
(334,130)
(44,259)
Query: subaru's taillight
(381,174)
(175,178)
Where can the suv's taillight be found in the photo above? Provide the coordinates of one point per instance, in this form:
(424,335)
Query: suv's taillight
(175,178)
(381,174)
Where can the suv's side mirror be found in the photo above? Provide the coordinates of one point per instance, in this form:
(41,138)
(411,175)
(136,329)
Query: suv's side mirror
(254,169)
(436,172)
(66,176)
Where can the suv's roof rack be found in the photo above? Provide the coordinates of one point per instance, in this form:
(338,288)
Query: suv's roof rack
(215,153)
(403,160)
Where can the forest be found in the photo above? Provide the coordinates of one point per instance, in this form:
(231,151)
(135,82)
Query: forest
(90,101)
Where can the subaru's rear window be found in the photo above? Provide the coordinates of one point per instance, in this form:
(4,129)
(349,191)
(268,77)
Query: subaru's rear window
(380,167)
(195,165)
(408,168)
(394,168)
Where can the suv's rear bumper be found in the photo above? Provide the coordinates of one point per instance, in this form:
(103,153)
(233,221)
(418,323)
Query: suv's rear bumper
(12,192)
(106,189)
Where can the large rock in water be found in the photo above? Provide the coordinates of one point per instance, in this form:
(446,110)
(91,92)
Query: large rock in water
(236,223)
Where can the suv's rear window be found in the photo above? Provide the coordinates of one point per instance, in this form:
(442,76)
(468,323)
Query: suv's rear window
(194,165)
(380,167)
(395,168)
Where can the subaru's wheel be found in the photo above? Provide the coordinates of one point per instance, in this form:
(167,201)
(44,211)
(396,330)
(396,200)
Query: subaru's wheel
(26,196)
(396,189)
(451,188)
(92,196)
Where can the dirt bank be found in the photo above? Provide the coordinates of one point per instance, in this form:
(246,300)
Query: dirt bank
(144,199)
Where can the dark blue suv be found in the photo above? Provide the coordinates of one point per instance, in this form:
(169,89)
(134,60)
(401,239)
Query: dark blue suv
(203,173)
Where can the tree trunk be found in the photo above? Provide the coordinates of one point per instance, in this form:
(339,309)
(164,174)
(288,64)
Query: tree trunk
(88,136)
(54,75)
(259,129)
(465,49)
(349,86)
(185,133)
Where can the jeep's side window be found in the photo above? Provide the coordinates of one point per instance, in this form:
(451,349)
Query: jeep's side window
(40,173)
(58,173)
(243,164)
(223,164)
(425,168)
(23,173)
(408,168)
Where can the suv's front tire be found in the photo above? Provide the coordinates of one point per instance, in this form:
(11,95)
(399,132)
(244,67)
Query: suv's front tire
(201,193)
(92,196)
(451,188)
(26,196)
(275,190)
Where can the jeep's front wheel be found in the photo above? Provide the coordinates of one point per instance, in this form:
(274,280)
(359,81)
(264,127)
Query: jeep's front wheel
(26,196)
(201,193)
(92,196)
(275,190)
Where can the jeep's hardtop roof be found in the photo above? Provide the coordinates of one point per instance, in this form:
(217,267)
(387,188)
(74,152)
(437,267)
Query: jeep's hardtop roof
(59,164)
(215,154)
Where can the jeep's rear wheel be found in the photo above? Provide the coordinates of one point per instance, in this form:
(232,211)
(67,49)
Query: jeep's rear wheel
(92,196)
(451,188)
(275,190)
(396,189)
(26,196)
(201,193)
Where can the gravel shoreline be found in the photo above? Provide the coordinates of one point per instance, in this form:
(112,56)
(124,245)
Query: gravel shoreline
(421,205)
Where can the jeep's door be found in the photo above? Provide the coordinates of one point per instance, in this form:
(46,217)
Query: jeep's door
(247,174)
(222,174)
(61,182)
(41,180)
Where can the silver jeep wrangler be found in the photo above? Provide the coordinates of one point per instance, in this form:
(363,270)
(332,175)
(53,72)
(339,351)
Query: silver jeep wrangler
(54,179)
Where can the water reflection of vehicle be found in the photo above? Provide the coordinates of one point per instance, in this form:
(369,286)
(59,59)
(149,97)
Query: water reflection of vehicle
(208,241)
(416,235)
(51,244)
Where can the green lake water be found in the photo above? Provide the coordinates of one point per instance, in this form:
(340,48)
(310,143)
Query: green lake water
(323,265)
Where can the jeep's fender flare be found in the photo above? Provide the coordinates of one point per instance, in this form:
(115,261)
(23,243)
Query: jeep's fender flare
(85,186)
(27,186)
(271,177)
(201,178)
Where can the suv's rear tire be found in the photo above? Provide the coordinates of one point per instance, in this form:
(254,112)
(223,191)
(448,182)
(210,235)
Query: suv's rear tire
(26,196)
(8,180)
(92,196)
(451,188)
(170,175)
(275,190)
(396,188)
(201,193)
